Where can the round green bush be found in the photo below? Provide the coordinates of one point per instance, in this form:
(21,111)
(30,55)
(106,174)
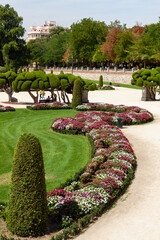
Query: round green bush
(26,213)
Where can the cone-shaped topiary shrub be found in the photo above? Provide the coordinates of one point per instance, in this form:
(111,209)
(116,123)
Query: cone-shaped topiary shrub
(77,93)
(100,84)
(26,213)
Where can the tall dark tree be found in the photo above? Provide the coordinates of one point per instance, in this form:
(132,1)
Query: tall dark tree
(12,46)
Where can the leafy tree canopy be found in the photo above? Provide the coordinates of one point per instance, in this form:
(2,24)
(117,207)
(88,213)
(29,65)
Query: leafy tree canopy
(11,31)
(85,36)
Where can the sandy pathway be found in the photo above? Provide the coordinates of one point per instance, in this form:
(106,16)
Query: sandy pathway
(136,215)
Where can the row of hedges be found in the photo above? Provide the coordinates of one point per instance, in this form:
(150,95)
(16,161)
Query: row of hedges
(6,108)
(104,179)
(40,80)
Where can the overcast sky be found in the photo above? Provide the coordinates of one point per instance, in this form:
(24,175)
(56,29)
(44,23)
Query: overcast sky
(65,12)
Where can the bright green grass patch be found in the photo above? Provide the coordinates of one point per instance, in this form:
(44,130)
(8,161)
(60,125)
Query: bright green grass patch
(63,155)
(121,85)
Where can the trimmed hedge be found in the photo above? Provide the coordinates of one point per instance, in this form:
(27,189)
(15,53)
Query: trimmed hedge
(26,213)
(77,93)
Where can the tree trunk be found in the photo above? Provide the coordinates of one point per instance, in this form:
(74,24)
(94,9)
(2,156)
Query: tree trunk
(53,95)
(148,94)
(58,96)
(35,98)
(67,97)
(9,91)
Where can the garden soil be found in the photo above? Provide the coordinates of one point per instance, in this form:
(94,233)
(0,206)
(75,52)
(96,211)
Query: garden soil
(136,215)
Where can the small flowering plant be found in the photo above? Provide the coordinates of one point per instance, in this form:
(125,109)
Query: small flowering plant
(6,108)
(48,106)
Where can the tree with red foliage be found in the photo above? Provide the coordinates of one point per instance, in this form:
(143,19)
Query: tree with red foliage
(111,41)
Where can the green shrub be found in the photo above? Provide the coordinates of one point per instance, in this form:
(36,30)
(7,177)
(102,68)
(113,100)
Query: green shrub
(64,84)
(30,76)
(140,82)
(77,93)
(26,213)
(35,84)
(92,87)
(59,236)
(54,81)
(26,85)
(74,229)
(100,84)
(41,85)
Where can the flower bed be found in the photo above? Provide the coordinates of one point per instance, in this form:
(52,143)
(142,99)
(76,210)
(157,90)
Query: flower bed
(6,108)
(108,172)
(49,106)
(85,121)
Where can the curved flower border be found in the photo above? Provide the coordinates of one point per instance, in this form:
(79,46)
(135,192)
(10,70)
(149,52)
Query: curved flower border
(107,173)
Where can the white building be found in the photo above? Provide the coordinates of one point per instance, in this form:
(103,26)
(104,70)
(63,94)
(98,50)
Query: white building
(40,31)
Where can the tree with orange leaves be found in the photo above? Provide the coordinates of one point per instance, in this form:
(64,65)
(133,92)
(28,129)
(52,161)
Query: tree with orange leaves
(111,41)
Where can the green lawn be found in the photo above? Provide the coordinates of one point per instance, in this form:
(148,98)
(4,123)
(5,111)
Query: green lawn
(122,85)
(63,155)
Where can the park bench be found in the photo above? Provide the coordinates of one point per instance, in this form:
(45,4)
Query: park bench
(45,101)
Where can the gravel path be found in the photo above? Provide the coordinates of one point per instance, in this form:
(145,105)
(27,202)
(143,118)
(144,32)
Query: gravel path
(136,215)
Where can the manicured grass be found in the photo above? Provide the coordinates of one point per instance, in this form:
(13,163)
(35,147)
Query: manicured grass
(63,155)
(121,85)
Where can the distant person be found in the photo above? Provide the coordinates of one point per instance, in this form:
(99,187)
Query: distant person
(48,99)
(40,94)
(137,67)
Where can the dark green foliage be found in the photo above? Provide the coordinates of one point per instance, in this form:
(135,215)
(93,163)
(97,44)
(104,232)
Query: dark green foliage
(35,84)
(19,85)
(64,84)
(46,85)
(146,72)
(20,77)
(59,236)
(77,93)
(74,229)
(54,81)
(30,76)
(71,79)
(92,87)
(26,86)
(26,213)
(100,84)
(2,82)
(140,82)
(41,85)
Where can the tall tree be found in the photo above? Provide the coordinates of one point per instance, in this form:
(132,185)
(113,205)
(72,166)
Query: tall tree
(37,49)
(56,46)
(12,46)
(122,49)
(146,49)
(85,36)
(111,41)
